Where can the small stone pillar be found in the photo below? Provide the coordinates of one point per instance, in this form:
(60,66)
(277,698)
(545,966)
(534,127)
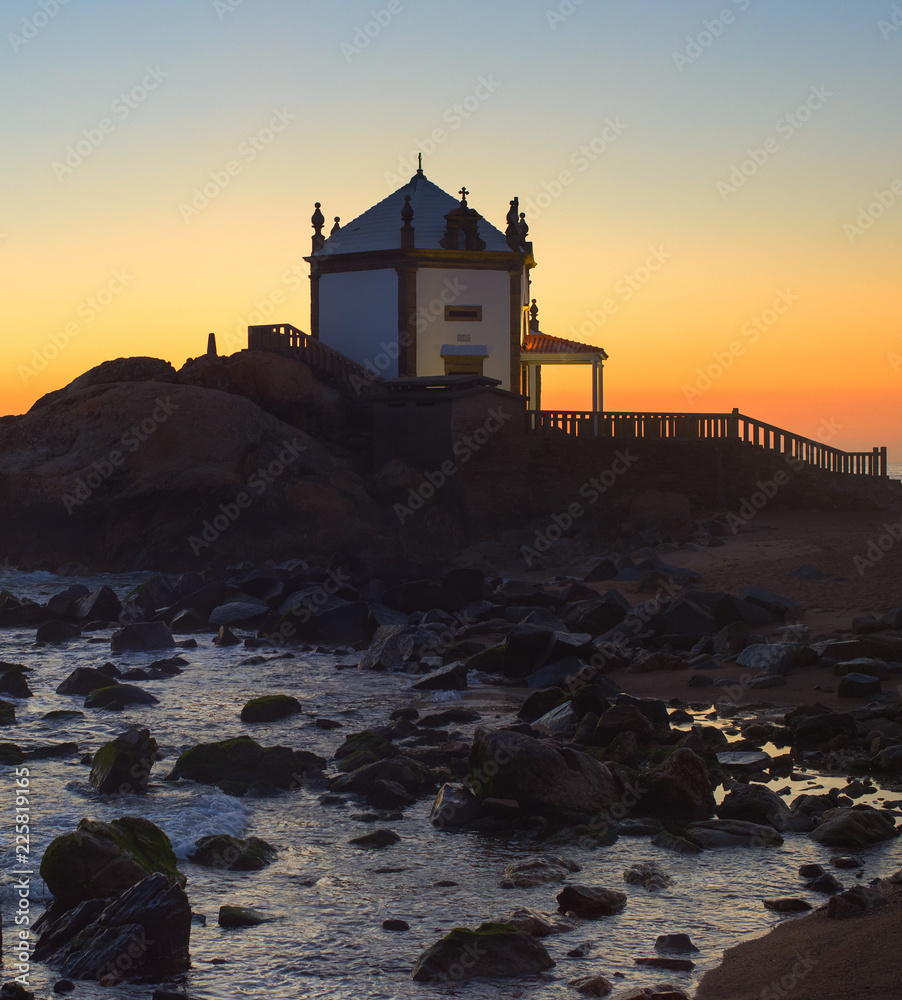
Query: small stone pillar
(211,345)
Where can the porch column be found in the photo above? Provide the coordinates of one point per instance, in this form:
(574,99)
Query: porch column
(534,386)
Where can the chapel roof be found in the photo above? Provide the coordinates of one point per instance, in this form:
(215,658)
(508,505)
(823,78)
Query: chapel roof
(379,227)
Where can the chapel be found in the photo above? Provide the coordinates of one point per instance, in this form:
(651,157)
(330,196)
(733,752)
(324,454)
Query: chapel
(421,284)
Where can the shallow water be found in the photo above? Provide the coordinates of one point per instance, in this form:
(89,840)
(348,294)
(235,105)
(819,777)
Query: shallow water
(328,899)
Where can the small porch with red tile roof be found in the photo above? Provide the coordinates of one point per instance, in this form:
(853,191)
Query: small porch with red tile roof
(540,349)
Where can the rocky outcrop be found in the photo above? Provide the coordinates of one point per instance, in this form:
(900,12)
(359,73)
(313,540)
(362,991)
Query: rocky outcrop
(755,804)
(492,950)
(122,767)
(233,854)
(857,827)
(680,790)
(142,472)
(537,870)
(101,860)
(590,901)
(235,765)
(144,933)
(557,782)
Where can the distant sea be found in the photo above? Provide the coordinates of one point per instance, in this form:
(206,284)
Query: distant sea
(894,469)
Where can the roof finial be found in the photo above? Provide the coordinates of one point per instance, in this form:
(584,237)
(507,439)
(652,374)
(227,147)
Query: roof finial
(407,231)
(318,220)
(533,317)
(463,197)
(336,227)
(420,167)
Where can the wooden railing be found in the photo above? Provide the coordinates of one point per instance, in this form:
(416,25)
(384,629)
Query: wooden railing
(288,338)
(707,426)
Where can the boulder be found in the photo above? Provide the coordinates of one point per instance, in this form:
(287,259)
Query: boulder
(234,854)
(100,605)
(674,943)
(590,901)
(857,827)
(679,790)
(13,682)
(648,874)
(813,732)
(454,807)
(122,767)
(623,718)
(755,804)
(537,870)
(732,833)
(269,708)
(84,680)
(117,696)
(55,633)
(560,783)
(450,678)
(492,950)
(142,636)
(770,658)
(855,685)
(787,905)
(591,986)
(540,924)
(377,840)
(239,763)
(239,916)
(101,860)
(143,934)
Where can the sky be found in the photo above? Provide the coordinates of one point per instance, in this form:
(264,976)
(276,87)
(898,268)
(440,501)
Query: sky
(714,189)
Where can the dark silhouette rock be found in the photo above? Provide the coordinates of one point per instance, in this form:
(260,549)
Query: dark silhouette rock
(269,708)
(122,767)
(590,901)
(100,860)
(234,854)
(492,950)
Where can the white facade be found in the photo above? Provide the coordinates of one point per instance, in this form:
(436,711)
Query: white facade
(358,316)
(440,287)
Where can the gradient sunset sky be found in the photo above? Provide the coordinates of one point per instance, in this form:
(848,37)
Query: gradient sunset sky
(732,197)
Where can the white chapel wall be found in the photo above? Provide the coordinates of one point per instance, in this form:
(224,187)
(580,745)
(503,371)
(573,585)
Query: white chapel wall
(437,287)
